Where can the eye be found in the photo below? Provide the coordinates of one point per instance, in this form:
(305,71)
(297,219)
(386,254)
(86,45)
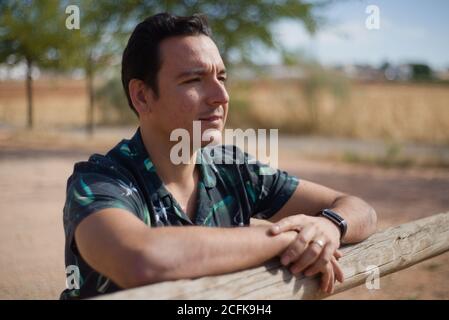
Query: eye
(222,79)
(192,80)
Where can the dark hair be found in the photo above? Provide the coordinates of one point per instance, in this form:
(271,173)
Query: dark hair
(141,58)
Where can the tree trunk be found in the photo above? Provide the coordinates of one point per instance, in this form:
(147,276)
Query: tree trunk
(90,92)
(29,93)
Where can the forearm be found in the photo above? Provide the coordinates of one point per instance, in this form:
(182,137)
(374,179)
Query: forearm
(254,222)
(189,252)
(360,217)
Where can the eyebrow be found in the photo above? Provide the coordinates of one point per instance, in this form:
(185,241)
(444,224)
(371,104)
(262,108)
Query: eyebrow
(197,72)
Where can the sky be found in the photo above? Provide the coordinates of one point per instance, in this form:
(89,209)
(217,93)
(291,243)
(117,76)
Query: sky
(409,31)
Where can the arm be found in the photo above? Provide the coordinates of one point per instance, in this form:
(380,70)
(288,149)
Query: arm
(254,222)
(120,246)
(310,198)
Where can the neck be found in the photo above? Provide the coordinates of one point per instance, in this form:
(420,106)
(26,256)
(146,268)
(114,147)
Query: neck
(178,175)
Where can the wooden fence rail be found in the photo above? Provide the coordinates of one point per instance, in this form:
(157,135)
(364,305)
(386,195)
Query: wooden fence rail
(385,252)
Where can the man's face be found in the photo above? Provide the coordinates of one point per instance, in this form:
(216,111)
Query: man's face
(191,87)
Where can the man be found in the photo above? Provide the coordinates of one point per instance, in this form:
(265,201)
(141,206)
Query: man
(133,217)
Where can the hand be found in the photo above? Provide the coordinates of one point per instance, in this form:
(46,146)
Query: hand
(330,273)
(315,248)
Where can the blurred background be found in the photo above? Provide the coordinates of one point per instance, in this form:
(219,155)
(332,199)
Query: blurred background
(359,91)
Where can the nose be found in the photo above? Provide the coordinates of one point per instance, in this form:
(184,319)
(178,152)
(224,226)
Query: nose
(217,94)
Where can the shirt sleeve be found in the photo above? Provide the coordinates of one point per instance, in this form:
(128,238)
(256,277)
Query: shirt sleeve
(89,192)
(268,189)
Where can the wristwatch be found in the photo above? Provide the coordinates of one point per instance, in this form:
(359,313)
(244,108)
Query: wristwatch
(336,219)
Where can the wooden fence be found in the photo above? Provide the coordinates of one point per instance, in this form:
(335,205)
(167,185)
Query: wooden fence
(385,252)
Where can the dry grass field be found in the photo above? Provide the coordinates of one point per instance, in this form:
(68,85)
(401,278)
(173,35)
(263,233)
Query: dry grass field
(400,112)
(387,111)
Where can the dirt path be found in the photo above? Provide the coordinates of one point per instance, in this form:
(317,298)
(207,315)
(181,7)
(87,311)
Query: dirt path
(32,188)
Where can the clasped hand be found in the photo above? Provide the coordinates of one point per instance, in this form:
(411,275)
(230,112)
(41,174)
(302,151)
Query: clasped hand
(314,250)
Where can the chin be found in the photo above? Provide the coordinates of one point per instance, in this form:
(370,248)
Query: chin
(212,136)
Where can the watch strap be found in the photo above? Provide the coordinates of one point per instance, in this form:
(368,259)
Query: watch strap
(337,220)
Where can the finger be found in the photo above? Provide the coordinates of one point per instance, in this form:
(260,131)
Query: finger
(297,247)
(338,254)
(330,288)
(321,262)
(325,278)
(339,274)
(286,224)
(328,272)
(309,256)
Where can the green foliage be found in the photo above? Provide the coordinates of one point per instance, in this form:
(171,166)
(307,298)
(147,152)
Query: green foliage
(421,72)
(99,41)
(238,24)
(31,31)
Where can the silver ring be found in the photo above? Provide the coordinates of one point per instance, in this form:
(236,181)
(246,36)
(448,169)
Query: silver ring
(319,242)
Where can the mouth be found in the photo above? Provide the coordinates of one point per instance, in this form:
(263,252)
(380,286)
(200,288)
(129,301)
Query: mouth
(212,119)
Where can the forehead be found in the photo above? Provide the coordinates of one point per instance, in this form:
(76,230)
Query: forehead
(185,52)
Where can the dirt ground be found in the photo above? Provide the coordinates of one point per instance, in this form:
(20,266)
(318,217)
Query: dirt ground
(32,189)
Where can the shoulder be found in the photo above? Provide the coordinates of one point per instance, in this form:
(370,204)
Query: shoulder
(105,166)
(101,183)
(97,165)
(102,178)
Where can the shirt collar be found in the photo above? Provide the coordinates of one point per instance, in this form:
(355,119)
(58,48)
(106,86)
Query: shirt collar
(207,167)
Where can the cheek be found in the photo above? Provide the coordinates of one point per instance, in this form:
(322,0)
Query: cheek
(182,109)
(189,102)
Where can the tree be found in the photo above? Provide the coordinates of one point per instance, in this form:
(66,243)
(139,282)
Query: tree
(30,33)
(104,26)
(35,32)
(96,44)
(238,24)
(421,72)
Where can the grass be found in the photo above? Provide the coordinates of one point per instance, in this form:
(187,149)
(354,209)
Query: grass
(392,112)
(400,112)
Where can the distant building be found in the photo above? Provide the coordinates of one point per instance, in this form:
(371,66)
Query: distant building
(442,75)
(403,72)
(361,72)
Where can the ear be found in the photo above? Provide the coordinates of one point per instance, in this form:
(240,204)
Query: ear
(141,96)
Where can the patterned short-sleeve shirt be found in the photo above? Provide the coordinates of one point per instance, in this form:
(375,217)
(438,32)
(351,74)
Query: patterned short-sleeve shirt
(233,187)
